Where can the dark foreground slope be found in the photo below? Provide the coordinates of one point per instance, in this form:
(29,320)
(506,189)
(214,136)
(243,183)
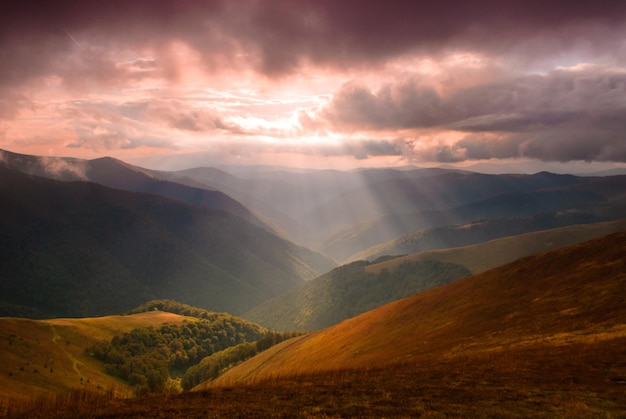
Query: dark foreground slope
(540,337)
(81,249)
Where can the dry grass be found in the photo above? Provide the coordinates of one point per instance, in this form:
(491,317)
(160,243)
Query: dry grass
(578,380)
(38,357)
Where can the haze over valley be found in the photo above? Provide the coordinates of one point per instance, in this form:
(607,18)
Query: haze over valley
(312,209)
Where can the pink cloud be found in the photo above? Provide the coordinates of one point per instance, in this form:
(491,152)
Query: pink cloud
(363,79)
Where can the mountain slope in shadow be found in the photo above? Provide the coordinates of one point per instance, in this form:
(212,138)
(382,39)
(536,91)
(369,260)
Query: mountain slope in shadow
(82,249)
(117,174)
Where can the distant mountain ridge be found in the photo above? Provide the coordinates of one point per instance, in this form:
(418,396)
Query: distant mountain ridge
(472,233)
(493,253)
(82,249)
(117,174)
(342,213)
(586,200)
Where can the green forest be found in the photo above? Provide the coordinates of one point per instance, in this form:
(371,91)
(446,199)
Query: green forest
(212,366)
(350,290)
(148,358)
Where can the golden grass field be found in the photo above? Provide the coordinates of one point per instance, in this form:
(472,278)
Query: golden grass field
(40,357)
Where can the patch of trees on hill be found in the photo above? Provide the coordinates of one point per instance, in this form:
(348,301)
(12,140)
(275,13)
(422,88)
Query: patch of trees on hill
(361,291)
(147,357)
(350,290)
(183,309)
(212,366)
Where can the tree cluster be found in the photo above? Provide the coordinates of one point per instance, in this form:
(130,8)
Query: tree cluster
(175,307)
(147,357)
(212,366)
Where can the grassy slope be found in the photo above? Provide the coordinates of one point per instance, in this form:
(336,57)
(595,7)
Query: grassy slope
(569,295)
(481,257)
(56,350)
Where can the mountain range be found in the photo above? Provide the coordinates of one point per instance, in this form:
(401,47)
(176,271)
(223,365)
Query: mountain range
(544,333)
(93,237)
(343,213)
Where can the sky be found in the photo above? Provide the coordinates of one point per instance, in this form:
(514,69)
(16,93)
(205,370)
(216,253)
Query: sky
(316,83)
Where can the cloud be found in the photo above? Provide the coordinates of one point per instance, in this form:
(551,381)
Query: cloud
(120,75)
(576,113)
(524,103)
(276,37)
(56,167)
(406,105)
(181,116)
(100,138)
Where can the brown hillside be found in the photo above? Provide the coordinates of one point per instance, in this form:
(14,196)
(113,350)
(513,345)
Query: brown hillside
(566,296)
(45,356)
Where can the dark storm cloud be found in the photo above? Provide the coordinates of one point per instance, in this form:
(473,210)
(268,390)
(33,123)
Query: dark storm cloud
(353,32)
(563,115)
(365,149)
(596,95)
(404,105)
(90,46)
(38,38)
(276,36)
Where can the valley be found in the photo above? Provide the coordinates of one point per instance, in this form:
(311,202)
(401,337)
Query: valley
(312,209)
(431,292)
(543,335)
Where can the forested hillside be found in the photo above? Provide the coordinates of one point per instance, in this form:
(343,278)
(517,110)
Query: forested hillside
(81,249)
(350,290)
(117,174)
(152,359)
